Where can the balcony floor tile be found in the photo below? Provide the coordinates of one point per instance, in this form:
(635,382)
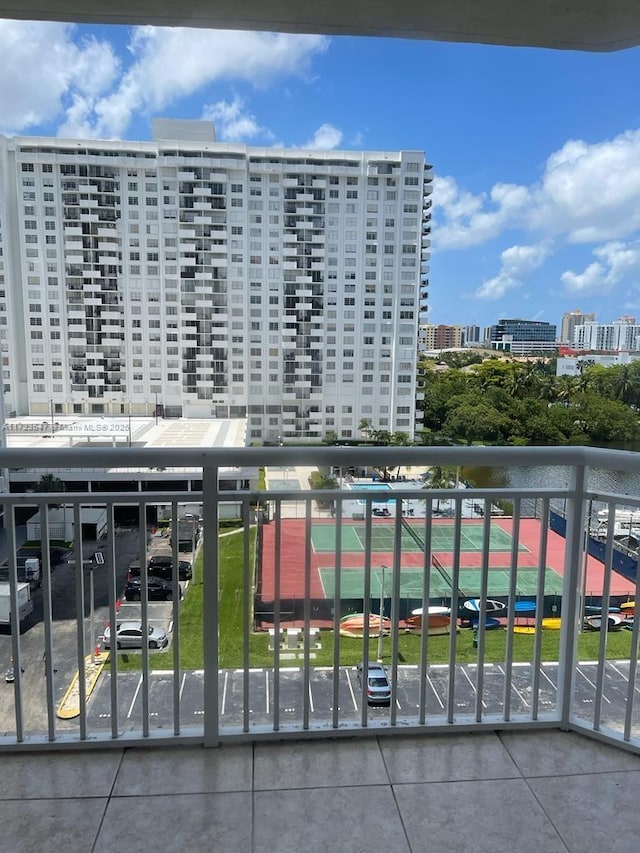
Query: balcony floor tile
(491,816)
(177,823)
(319,764)
(49,826)
(185,770)
(552,752)
(596,811)
(358,819)
(447,758)
(60,774)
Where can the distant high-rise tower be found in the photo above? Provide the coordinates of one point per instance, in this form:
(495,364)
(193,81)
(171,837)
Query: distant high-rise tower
(569,322)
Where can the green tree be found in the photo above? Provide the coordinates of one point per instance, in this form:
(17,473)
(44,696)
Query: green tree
(49,483)
(475,420)
(440,477)
(365,427)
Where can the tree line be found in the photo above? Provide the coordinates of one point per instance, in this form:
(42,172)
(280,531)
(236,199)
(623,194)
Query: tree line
(496,401)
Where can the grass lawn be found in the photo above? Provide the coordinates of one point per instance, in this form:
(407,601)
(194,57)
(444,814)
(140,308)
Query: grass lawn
(231,616)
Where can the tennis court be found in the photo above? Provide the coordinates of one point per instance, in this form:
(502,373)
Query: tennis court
(440,582)
(323,537)
(307,568)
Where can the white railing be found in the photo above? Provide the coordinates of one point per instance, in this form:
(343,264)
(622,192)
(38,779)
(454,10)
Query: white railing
(257,646)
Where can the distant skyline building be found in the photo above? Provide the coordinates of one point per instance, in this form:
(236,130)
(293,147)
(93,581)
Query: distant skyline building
(572,319)
(620,336)
(203,279)
(471,335)
(523,337)
(432,336)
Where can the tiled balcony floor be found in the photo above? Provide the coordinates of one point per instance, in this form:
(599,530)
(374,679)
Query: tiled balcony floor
(527,791)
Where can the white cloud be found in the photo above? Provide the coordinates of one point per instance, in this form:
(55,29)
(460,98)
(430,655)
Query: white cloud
(586,193)
(616,261)
(518,262)
(590,192)
(233,122)
(43,68)
(470,220)
(172,63)
(326,137)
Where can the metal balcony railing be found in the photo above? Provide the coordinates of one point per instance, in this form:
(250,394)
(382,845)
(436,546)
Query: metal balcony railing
(283,610)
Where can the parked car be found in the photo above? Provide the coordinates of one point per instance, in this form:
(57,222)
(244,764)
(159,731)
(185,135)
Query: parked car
(377,687)
(129,636)
(157,589)
(161,561)
(162,567)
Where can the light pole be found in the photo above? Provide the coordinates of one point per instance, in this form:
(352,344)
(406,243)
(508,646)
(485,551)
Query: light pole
(51,413)
(98,560)
(156,409)
(129,420)
(381,606)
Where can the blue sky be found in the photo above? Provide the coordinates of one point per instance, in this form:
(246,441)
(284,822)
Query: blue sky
(536,153)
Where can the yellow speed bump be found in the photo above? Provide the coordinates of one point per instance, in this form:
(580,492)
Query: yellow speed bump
(70,705)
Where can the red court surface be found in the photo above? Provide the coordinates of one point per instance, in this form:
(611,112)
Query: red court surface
(293,549)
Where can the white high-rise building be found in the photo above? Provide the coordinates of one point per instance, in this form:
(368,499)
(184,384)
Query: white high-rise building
(212,279)
(620,336)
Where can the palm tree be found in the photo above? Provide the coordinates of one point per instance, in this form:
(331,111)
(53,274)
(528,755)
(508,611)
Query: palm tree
(565,388)
(365,427)
(400,439)
(49,483)
(625,388)
(440,478)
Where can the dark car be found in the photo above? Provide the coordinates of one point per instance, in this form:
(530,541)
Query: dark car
(377,686)
(157,589)
(162,567)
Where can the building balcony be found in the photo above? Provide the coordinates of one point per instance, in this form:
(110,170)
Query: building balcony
(549,737)
(550,790)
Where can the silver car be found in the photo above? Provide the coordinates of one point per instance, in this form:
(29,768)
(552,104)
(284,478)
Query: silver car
(129,636)
(377,688)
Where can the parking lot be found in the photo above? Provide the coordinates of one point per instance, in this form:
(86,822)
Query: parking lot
(261,695)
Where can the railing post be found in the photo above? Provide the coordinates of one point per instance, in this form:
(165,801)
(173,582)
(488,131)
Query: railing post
(210,571)
(570,595)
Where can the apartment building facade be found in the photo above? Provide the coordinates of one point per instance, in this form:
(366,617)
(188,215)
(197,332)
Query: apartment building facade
(192,278)
(619,336)
(431,337)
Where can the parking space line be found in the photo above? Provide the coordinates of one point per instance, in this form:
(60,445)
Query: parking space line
(548,679)
(311,699)
(622,675)
(435,692)
(353,695)
(514,688)
(266,689)
(184,678)
(475,690)
(224,691)
(588,680)
(135,697)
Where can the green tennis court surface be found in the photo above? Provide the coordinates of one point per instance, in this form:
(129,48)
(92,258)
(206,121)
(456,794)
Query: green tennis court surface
(411,582)
(323,538)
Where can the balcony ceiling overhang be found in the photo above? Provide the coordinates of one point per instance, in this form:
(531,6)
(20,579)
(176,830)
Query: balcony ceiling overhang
(590,25)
